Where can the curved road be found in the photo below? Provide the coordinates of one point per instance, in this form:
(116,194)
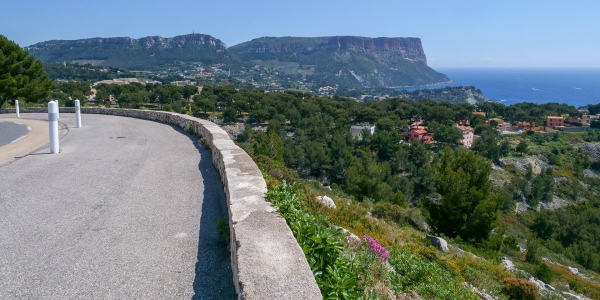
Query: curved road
(11,131)
(127,210)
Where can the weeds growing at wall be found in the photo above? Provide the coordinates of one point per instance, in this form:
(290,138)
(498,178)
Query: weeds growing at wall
(347,267)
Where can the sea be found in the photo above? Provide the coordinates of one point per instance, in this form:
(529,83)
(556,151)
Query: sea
(577,87)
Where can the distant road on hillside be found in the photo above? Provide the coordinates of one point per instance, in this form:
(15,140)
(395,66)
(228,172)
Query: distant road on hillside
(127,210)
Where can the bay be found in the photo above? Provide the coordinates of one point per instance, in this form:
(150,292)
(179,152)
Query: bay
(577,87)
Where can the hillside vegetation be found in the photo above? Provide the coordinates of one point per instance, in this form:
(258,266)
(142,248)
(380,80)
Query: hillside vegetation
(389,191)
(520,212)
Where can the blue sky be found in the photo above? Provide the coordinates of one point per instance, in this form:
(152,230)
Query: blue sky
(470,33)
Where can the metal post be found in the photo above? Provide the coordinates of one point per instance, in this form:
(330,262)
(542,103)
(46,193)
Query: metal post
(57,110)
(17,108)
(53,126)
(77,114)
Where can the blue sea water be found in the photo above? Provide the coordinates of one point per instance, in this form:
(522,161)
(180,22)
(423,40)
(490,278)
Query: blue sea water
(577,87)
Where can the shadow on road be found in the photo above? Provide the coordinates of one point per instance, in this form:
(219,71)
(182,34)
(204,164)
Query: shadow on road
(214,279)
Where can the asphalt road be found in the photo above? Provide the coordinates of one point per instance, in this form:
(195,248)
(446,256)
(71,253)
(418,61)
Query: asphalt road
(127,210)
(10,131)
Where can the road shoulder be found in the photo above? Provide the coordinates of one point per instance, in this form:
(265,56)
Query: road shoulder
(35,139)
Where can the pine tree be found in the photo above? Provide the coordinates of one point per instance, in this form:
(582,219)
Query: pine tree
(21,75)
(468,207)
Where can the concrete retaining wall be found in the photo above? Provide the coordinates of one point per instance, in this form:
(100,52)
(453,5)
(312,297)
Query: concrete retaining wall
(266,260)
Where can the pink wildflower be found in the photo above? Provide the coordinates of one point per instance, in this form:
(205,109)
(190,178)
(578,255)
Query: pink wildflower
(376,248)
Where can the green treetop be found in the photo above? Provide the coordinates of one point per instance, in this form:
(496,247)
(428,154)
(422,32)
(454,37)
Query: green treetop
(21,75)
(468,207)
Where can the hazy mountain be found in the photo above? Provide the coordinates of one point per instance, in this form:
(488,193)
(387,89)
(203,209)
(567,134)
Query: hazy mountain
(146,53)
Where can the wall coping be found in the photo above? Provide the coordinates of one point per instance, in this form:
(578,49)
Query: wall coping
(266,260)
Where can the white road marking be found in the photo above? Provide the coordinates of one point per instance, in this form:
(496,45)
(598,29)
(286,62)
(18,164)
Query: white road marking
(29,128)
(18,139)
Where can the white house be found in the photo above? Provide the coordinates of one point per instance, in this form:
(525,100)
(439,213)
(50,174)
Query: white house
(357,130)
(468,134)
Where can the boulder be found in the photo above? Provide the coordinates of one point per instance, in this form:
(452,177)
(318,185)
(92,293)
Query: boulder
(438,242)
(540,284)
(326,201)
(574,270)
(507,263)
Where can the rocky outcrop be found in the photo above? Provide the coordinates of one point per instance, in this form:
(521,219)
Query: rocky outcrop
(590,173)
(593,149)
(326,201)
(536,163)
(438,242)
(457,94)
(409,48)
(508,264)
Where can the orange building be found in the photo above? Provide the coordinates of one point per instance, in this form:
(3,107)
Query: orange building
(555,121)
(418,133)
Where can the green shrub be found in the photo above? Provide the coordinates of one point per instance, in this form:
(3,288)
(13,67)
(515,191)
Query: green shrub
(576,286)
(520,289)
(399,215)
(428,278)
(533,251)
(544,273)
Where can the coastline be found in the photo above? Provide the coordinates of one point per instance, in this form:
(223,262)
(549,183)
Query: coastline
(425,85)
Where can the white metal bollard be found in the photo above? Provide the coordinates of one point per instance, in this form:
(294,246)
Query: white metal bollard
(53,126)
(77,114)
(57,110)
(17,108)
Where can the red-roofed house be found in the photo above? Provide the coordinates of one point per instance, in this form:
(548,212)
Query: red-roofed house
(418,133)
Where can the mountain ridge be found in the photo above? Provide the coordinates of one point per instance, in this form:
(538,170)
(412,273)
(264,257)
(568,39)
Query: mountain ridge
(336,43)
(345,61)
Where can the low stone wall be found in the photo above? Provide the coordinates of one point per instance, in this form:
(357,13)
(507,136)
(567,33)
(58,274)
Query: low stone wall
(266,260)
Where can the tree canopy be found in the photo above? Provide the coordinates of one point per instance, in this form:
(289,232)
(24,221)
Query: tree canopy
(21,75)
(468,207)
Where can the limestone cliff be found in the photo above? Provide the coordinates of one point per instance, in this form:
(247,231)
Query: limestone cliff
(409,48)
(348,61)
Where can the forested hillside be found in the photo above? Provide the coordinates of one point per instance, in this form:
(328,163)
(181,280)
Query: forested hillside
(525,205)
(82,73)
